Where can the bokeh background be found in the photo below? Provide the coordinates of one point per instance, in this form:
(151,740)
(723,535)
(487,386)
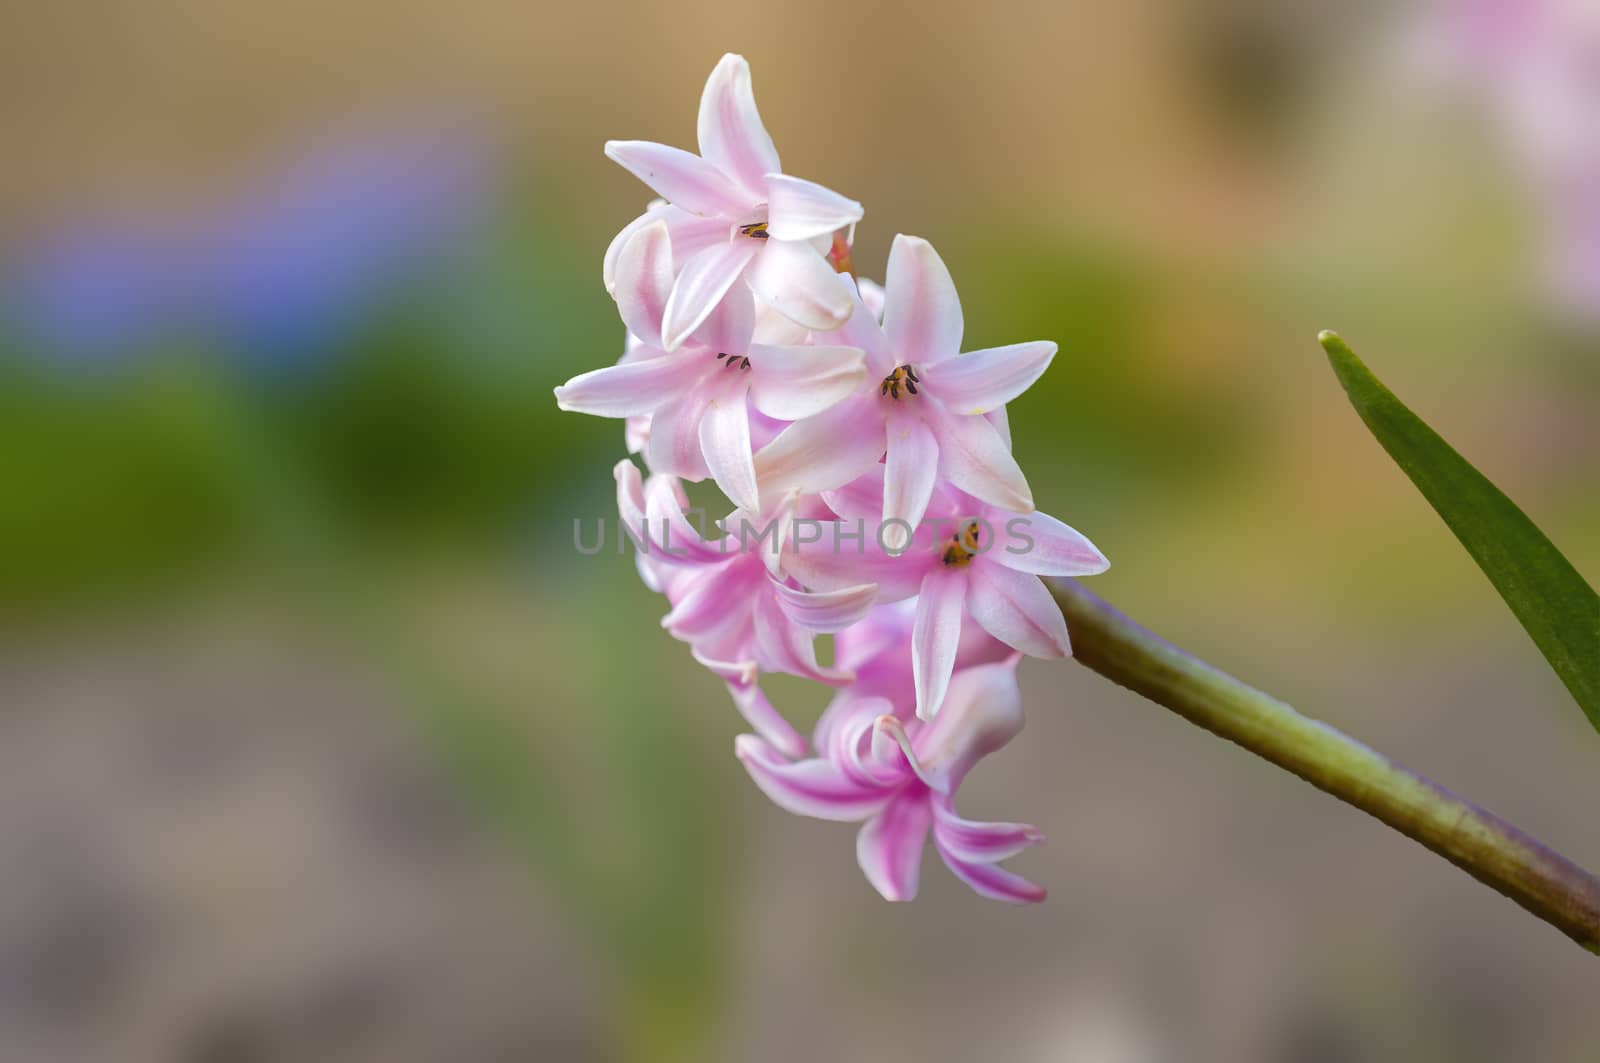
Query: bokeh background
(319,741)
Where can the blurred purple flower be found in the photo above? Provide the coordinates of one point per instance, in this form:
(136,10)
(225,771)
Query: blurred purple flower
(95,291)
(313,249)
(280,274)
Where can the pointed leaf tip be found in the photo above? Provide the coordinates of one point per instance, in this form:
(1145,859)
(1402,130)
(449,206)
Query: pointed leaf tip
(1555,606)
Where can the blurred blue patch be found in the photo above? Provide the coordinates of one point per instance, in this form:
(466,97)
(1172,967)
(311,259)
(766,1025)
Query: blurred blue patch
(284,273)
(94,292)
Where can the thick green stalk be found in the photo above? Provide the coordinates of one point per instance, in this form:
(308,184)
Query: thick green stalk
(1475,840)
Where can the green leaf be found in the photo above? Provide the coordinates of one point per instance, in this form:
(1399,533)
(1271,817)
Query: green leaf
(1555,606)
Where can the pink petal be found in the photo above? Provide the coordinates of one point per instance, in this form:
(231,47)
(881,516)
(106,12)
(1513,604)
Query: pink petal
(784,646)
(1042,545)
(684,179)
(872,295)
(936,634)
(826,611)
(725,663)
(861,498)
(1001,422)
(794,382)
(631,500)
(797,282)
(825,451)
(982,712)
(674,533)
(839,559)
(725,443)
(730,325)
(921,313)
(990,881)
(1015,608)
(691,233)
(986,380)
(730,129)
(972,841)
(768,722)
(800,210)
(861,329)
(974,457)
(712,610)
(631,389)
(644,281)
(812,787)
(889,846)
(909,471)
(673,448)
(608,266)
(857,746)
(705,279)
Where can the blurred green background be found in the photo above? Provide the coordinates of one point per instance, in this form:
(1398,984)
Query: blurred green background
(322,742)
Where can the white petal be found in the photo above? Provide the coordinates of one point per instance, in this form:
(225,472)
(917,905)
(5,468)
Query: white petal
(643,281)
(682,178)
(725,442)
(798,209)
(797,282)
(823,452)
(705,279)
(872,295)
(794,382)
(629,389)
(730,129)
(730,325)
(862,330)
(974,457)
(1016,608)
(772,327)
(986,380)
(1040,544)
(1002,424)
(921,312)
(910,468)
(936,635)
(608,266)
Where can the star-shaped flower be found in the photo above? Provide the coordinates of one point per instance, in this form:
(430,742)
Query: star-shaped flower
(756,222)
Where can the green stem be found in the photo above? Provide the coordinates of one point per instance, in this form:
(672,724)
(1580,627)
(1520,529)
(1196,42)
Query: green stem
(1480,843)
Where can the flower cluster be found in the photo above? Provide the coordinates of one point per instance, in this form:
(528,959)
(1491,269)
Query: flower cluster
(875,494)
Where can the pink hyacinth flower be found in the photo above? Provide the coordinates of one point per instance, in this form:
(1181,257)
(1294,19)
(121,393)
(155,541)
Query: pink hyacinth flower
(968,560)
(877,651)
(738,619)
(923,409)
(901,779)
(698,396)
(752,223)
